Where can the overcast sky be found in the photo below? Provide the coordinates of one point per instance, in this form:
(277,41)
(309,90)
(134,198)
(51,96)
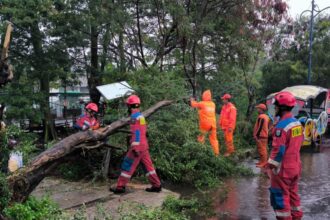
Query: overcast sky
(298,6)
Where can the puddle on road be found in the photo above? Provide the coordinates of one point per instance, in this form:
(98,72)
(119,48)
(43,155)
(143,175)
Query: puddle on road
(248,198)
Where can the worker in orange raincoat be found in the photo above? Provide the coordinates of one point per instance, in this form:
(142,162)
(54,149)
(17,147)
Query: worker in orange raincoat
(227,123)
(260,134)
(207,120)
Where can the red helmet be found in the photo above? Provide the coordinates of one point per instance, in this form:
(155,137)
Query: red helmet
(285,99)
(133,99)
(262,107)
(226,96)
(92,106)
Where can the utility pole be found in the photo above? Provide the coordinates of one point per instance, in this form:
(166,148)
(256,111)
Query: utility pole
(311,29)
(310,44)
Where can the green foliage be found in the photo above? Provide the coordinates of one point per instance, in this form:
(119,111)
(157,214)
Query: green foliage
(141,212)
(20,98)
(33,209)
(153,85)
(172,209)
(25,142)
(172,131)
(5,193)
(189,207)
(74,170)
(289,65)
(25,145)
(4,152)
(274,74)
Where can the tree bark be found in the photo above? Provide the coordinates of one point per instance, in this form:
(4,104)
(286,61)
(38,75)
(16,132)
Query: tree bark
(24,181)
(94,79)
(43,73)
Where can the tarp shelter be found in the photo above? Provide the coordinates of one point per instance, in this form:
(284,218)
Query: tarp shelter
(303,92)
(115,90)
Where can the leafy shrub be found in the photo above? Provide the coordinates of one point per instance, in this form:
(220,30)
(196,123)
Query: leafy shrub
(141,212)
(4,192)
(74,170)
(172,131)
(172,209)
(178,156)
(25,141)
(33,209)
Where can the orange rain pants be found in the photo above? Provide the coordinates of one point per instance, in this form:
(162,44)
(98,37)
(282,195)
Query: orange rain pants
(229,141)
(207,120)
(227,123)
(262,150)
(260,133)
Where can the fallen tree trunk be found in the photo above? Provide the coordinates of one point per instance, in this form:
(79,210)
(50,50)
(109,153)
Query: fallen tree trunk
(23,182)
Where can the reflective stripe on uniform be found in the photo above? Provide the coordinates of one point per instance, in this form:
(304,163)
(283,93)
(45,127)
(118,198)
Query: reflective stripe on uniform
(296,208)
(282,214)
(125,175)
(291,125)
(151,173)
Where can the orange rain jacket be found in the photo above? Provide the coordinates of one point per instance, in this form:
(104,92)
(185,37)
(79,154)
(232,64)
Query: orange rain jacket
(261,127)
(206,111)
(228,116)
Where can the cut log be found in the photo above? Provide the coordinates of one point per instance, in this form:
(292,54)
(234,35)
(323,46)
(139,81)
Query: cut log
(24,181)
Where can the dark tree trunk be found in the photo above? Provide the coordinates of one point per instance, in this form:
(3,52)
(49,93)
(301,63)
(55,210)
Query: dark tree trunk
(122,61)
(94,77)
(40,63)
(251,103)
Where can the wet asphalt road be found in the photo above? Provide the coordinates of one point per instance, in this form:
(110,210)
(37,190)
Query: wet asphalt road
(248,198)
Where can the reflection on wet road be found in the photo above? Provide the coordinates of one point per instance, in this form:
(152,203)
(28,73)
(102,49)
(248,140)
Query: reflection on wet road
(248,198)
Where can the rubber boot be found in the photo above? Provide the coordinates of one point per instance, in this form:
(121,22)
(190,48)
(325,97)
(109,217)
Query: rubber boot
(118,190)
(154,189)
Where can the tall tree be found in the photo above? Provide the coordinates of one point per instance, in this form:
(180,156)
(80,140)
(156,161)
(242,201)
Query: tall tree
(35,53)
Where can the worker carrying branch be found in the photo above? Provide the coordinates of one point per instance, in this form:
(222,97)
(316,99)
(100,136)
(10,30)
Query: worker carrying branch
(138,151)
(227,123)
(207,120)
(260,134)
(284,161)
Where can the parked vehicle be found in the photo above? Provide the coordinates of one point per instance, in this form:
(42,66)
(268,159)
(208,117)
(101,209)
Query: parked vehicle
(312,110)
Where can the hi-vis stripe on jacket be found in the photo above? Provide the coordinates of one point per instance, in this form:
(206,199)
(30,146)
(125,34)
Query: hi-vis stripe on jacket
(138,128)
(287,140)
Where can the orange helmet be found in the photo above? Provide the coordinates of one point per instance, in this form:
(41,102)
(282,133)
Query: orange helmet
(133,100)
(285,99)
(262,107)
(92,106)
(226,96)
